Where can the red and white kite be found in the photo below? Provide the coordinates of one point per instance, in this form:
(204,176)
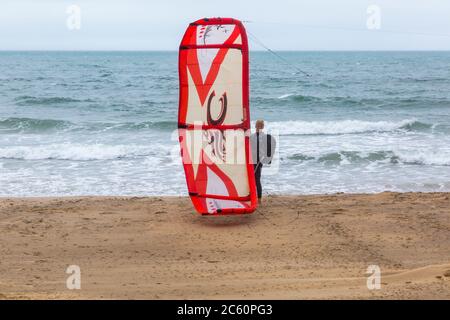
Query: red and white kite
(214,117)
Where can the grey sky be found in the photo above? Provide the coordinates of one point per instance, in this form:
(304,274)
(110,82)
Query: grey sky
(281,24)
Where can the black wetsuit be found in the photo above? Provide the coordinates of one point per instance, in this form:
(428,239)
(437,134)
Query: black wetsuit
(257,168)
(263,148)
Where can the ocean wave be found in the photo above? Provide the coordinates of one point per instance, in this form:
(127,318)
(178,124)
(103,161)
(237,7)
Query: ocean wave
(127,126)
(392,157)
(44,101)
(299,98)
(347,156)
(163,125)
(32,125)
(343,127)
(329,99)
(425,79)
(76,152)
(294,99)
(432,158)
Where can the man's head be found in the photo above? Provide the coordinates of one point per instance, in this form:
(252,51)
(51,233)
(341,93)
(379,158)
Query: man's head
(259,125)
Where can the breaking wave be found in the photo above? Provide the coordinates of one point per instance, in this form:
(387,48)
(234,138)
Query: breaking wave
(29,125)
(392,157)
(43,101)
(344,127)
(77,152)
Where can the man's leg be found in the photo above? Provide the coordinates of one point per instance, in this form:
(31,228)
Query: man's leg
(258,168)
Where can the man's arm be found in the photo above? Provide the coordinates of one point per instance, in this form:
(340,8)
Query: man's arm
(271,145)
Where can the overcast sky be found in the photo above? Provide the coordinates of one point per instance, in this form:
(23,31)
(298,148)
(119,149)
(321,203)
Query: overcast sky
(280,24)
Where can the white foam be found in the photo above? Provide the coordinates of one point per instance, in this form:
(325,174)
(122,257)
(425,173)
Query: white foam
(69,151)
(284,96)
(335,127)
(432,158)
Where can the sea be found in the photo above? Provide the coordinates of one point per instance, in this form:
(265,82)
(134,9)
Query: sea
(104,123)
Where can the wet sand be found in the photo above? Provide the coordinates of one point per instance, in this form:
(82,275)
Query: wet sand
(293,247)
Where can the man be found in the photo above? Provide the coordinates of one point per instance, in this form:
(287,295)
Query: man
(263,148)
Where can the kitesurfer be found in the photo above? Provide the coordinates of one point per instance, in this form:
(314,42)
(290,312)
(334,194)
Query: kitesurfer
(263,148)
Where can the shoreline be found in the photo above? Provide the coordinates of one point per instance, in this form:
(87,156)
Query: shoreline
(265,196)
(293,247)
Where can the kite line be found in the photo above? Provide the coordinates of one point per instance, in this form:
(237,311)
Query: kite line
(287,62)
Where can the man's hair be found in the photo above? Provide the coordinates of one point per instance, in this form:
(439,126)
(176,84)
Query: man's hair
(259,123)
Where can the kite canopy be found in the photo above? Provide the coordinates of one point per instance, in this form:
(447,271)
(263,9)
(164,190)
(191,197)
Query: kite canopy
(214,117)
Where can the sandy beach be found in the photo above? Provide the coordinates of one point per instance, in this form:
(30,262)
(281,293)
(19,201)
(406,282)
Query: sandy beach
(293,247)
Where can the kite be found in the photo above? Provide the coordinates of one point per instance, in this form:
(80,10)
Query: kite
(214,117)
